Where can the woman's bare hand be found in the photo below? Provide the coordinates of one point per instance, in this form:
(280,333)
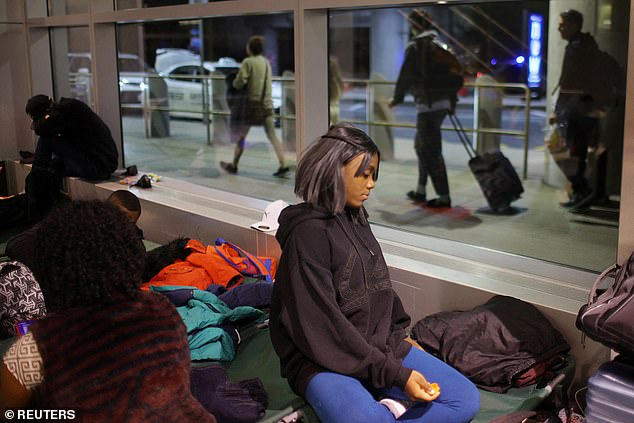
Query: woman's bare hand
(418,389)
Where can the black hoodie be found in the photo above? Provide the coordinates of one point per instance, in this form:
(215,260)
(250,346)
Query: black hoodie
(73,122)
(333,306)
(577,81)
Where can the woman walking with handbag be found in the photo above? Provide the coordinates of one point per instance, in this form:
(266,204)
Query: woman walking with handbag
(254,76)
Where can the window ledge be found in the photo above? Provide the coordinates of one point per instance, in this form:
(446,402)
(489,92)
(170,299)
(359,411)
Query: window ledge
(537,282)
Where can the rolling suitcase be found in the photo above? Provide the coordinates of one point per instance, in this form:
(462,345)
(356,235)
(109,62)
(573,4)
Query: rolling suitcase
(495,174)
(610,396)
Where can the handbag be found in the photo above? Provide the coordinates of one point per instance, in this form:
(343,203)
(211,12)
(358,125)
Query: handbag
(237,100)
(608,317)
(560,152)
(259,110)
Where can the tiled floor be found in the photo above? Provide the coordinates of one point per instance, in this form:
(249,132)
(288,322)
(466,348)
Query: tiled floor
(540,228)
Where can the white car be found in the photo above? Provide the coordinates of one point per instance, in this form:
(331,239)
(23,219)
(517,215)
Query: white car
(133,77)
(185,86)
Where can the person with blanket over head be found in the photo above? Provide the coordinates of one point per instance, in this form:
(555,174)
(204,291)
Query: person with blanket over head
(105,350)
(336,322)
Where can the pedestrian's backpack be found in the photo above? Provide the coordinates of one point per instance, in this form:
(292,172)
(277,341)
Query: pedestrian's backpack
(605,79)
(437,65)
(608,317)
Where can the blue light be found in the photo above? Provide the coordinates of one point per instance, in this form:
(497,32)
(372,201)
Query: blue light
(519,60)
(494,62)
(535,28)
(535,48)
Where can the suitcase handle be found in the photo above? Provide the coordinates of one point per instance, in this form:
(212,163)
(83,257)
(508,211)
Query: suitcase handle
(462,135)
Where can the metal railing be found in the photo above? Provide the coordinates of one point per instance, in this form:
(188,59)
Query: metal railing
(525,104)
(215,104)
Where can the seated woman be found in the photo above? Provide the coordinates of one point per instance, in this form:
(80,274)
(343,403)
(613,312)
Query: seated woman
(336,323)
(105,349)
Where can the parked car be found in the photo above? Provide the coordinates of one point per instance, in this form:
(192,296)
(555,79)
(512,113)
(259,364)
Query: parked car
(185,87)
(166,57)
(133,76)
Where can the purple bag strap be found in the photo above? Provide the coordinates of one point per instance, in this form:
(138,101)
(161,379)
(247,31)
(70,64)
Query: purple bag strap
(264,271)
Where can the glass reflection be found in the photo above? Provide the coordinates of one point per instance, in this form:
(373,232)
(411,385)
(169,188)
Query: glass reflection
(67,7)
(511,56)
(182,124)
(512,59)
(72,75)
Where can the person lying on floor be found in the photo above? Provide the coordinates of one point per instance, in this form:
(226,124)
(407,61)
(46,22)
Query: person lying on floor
(336,323)
(105,350)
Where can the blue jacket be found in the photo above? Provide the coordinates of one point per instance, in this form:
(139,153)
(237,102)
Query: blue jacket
(208,321)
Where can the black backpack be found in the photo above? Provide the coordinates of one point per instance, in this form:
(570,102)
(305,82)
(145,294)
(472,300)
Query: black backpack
(606,79)
(434,67)
(608,317)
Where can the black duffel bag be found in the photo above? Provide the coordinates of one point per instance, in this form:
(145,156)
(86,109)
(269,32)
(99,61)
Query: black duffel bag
(608,317)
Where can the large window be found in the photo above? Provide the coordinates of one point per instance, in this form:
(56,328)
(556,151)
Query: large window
(176,119)
(67,7)
(72,74)
(512,56)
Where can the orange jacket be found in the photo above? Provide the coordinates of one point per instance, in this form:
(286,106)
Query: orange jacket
(212,264)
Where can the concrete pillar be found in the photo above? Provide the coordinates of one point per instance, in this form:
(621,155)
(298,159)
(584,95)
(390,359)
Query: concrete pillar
(388,38)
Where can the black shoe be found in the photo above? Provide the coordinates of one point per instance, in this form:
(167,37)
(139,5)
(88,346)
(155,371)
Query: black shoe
(282,171)
(437,203)
(144,182)
(415,196)
(578,200)
(229,167)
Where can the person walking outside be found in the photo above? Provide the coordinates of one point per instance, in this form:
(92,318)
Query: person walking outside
(255,76)
(433,75)
(581,102)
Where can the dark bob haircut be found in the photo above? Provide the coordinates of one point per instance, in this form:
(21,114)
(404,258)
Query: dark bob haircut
(319,177)
(87,253)
(256,44)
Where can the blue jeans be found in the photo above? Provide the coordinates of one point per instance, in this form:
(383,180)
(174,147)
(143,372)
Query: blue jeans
(337,398)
